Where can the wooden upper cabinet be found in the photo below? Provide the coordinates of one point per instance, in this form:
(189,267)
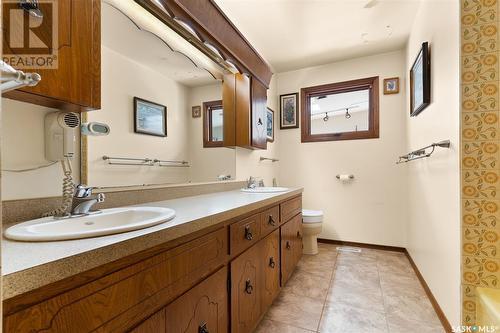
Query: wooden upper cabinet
(75,83)
(244,102)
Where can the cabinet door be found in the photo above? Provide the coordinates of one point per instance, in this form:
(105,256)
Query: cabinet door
(244,233)
(156,323)
(75,83)
(291,246)
(246,290)
(258,116)
(270,269)
(202,309)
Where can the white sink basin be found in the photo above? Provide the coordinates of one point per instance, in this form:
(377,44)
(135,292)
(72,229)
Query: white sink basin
(265,189)
(109,221)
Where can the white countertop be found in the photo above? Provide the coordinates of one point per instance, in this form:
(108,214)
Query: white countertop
(192,214)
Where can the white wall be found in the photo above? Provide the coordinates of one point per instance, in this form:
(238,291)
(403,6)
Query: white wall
(122,79)
(371,209)
(23,147)
(434,183)
(207,163)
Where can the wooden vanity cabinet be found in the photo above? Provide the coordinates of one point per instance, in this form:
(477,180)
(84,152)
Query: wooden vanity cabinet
(75,84)
(244,102)
(221,281)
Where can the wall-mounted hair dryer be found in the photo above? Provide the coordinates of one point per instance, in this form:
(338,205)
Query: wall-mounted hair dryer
(60,135)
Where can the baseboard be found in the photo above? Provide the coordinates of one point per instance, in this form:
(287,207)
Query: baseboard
(434,302)
(365,245)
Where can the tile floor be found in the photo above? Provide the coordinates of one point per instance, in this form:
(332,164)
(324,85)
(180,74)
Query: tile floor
(372,291)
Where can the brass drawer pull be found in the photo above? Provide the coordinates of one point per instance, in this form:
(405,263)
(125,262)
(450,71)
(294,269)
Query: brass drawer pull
(271,262)
(248,233)
(271,221)
(288,246)
(203,328)
(248,287)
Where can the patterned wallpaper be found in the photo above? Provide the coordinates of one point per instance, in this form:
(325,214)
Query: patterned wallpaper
(480,154)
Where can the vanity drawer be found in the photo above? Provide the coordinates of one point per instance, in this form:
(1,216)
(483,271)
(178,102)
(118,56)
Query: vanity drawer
(290,208)
(270,220)
(244,233)
(118,301)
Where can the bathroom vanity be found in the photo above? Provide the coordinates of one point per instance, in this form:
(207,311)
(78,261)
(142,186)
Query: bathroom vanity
(216,267)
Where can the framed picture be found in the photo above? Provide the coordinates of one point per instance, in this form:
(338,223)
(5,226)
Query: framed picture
(420,81)
(289,111)
(391,86)
(149,118)
(270,125)
(196,111)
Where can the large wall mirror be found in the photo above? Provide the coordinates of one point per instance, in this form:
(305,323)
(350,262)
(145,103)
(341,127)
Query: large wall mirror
(153,97)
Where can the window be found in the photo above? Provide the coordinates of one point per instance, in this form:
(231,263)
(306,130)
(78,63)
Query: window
(213,124)
(341,111)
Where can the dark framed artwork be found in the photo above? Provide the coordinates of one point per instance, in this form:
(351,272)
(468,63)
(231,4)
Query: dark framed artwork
(289,111)
(150,118)
(420,81)
(196,111)
(270,125)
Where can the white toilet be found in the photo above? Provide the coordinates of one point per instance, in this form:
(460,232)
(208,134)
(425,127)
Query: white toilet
(312,222)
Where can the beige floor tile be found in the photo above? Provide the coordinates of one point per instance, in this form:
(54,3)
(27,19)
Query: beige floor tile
(368,298)
(401,285)
(271,326)
(357,276)
(402,325)
(339,318)
(410,308)
(398,265)
(313,265)
(355,259)
(303,283)
(298,311)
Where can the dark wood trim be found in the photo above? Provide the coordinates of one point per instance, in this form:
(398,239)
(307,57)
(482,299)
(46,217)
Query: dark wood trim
(442,317)
(363,245)
(136,100)
(207,124)
(428,292)
(371,83)
(426,68)
(214,27)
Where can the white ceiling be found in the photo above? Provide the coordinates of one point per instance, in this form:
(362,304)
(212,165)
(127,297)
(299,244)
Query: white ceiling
(293,34)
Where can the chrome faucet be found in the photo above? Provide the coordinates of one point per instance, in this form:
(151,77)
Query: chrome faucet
(83,201)
(254,182)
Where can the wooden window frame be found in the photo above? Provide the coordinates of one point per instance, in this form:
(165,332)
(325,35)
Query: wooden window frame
(207,124)
(370,83)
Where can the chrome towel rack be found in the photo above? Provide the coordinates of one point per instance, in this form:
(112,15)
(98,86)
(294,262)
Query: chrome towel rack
(269,159)
(144,162)
(423,152)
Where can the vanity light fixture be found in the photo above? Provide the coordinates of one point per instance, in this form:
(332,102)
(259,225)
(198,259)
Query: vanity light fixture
(188,28)
(160,5)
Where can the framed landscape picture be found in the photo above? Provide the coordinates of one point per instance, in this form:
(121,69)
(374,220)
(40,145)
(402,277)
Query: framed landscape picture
(391,86)
(289,111)
(149,118)
(420,81)
(270,125)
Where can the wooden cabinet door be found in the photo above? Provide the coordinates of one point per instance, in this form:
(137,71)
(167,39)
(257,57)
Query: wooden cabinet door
(258,115)
(246,291)
(270,247)
(202,309)
(154,324)
(75,83)
(244,233)
(291,246)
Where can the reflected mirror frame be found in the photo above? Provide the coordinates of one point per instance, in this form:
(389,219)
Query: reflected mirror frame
(207,124)
(371,84)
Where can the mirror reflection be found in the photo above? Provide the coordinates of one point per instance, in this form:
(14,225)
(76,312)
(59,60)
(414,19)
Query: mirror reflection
(152,97)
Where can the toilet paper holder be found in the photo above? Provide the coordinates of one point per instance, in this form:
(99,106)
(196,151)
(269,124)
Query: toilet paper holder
(350,176)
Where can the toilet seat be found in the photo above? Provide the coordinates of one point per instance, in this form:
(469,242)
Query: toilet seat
(312,216)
